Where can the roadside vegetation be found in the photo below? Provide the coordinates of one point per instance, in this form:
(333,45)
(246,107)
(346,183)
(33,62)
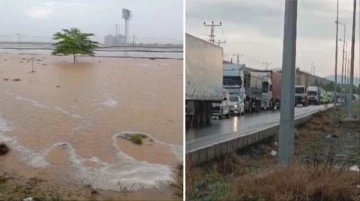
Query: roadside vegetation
(325,167)
(178,183)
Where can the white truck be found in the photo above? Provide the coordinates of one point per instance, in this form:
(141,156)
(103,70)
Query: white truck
(301,96)
(314,95)
(244,83)
(233,80)
(204,77)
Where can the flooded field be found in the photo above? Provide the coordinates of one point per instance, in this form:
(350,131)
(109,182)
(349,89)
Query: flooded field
(64,121)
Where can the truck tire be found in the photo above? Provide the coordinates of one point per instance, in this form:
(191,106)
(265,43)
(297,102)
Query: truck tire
(228,115)
(196,116)
(198,119)
(208,113)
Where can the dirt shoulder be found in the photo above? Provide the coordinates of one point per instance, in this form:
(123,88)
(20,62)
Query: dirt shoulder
(15,187)
(325,151)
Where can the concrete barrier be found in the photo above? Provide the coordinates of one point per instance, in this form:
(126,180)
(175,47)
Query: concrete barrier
(213,151)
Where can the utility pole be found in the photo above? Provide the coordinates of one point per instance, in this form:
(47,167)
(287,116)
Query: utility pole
(286,128)
(344,87)
(32,65)
(221,42)
(344,45)
(238,55)
(350,106)
(336,48)
(343,64)
(133,40)
(266,64)
(19,40)
(313,72)
(116,34)
(212,34)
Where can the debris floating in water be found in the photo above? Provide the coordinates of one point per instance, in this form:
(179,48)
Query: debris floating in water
(4,149)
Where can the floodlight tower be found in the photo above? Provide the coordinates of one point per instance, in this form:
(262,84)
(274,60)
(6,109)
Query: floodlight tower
(126,14)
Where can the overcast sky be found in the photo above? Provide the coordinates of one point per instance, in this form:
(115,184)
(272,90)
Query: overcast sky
(158,20)
(255,28)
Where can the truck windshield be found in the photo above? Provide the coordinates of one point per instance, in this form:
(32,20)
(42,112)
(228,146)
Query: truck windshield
(229,80)
(234,99)
(265,87)
(312,93)
(299,90)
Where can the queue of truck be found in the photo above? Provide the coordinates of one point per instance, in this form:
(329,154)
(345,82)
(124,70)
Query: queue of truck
(214,88)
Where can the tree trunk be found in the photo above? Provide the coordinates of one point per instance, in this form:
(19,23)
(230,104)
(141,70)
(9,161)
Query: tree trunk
(74,58)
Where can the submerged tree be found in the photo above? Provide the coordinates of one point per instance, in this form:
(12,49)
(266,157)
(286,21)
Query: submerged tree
(74,42)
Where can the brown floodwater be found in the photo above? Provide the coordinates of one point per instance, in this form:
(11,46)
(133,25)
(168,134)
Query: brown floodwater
(64,120)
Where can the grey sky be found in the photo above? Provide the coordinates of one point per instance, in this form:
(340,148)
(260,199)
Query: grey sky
(255,28)
(158,20)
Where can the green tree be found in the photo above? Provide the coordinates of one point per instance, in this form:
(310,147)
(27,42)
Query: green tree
(74,42)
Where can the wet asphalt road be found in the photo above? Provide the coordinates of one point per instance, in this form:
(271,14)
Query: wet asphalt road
(225,129)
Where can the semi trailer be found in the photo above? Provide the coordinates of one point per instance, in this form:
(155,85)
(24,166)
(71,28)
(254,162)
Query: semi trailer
(204,80)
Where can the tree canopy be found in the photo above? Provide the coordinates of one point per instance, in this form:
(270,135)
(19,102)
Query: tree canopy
(73,42)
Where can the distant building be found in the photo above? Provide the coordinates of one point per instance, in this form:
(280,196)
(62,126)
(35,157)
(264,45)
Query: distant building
(306,78)
(111,40)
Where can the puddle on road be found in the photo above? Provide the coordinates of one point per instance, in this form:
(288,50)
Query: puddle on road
(74,129)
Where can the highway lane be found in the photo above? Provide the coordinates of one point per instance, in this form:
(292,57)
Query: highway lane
(225,129)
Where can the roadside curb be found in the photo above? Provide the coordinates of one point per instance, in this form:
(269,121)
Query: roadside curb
(213,151)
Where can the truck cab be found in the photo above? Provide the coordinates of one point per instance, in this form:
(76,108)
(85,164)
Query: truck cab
(222,109)
(314,95)
(266,95)
(301,96)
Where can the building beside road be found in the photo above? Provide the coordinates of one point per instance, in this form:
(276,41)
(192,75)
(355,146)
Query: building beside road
(111,40)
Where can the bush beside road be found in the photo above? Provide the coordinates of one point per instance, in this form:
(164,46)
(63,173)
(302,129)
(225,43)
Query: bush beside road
(327,152)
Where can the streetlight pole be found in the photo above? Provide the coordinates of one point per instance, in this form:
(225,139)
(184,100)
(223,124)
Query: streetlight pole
(342,67)
(336,48)
(344,44)
(286,128)
(350,106)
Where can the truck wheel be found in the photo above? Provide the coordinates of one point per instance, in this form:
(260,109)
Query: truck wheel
(197,120)
(221,114)
(208,114)
(228,115)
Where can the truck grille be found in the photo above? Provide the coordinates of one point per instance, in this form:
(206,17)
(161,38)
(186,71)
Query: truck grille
(298,98)
(216,109)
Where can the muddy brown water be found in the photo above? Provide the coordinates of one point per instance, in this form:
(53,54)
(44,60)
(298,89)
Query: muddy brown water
(64,119)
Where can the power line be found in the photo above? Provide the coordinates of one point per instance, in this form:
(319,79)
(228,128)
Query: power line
(238,55)
(212,30)
(221,42)
(267,64)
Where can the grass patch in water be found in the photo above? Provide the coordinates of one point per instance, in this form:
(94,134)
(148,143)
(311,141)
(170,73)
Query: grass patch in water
(138,138)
